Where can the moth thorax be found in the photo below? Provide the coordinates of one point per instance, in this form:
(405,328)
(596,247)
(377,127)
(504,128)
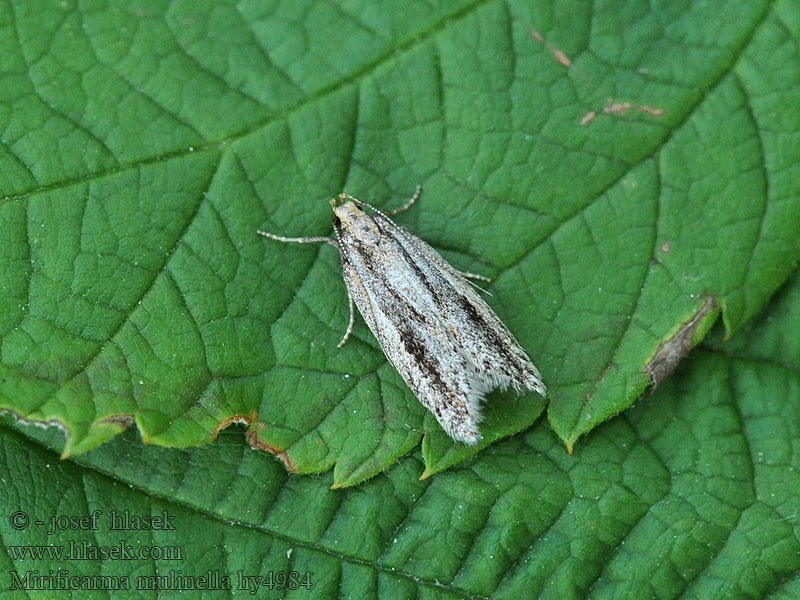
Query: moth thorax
(355,224)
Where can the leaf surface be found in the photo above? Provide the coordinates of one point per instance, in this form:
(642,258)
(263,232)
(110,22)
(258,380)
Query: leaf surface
(691,493)
(144,143)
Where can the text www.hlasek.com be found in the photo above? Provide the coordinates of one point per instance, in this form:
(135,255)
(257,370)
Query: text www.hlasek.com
(87,551)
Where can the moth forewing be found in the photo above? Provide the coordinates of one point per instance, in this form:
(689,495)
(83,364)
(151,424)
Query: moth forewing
(444,340)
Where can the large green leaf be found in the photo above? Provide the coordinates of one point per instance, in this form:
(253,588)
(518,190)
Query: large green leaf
(143,143)
(694,493)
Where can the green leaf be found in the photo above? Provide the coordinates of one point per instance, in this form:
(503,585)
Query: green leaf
(144,143)
(692,493)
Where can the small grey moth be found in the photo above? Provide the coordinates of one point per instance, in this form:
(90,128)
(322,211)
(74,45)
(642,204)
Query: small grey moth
(447,344)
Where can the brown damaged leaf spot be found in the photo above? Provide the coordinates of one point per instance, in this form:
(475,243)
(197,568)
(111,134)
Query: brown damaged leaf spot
(557,53)
(671,351)
(124,420)
(620,108)
(37,422)
(253,427)
(40,423)
(237,418)
(252,439)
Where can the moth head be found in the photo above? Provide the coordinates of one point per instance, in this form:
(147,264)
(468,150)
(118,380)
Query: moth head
(353,224)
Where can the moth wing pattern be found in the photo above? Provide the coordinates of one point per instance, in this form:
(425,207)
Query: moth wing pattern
(440,380)
(499,358)
(444,340)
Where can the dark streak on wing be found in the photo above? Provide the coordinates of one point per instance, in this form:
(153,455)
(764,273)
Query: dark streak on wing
(495,353)
(410,259)
(486,330)
(401,313)
(444,340)
(425,363)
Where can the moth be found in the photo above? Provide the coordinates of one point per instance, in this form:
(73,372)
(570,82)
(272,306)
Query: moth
(447,344)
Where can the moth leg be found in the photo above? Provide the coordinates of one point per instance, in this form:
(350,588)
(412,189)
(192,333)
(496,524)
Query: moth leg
(352,320)
(408,204)
(298,240)
(312,240)
(385,213)
(468,275)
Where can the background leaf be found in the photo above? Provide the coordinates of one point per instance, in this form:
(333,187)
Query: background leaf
(692,493)
(143,144)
